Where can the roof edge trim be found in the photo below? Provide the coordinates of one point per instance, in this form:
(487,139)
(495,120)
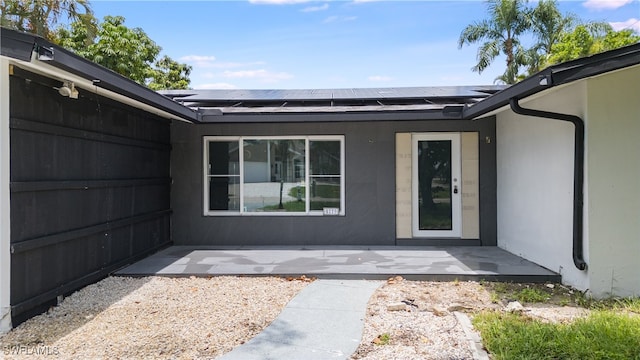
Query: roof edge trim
(23,48)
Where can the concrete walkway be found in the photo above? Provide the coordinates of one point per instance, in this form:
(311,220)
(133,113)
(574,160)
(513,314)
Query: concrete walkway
(324,321)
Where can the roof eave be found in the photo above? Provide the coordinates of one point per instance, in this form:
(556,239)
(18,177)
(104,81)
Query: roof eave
(557,75)
(21,46)
(447,113)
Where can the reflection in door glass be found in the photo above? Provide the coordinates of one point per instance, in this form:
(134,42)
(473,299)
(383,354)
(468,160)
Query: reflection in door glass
(434,185)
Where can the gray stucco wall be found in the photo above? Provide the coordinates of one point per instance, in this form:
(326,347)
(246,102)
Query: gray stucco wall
(369,185)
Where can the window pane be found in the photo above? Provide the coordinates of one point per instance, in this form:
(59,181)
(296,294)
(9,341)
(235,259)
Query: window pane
(224,158)
(224,193)
(325,192)
(273,173)
(324,157)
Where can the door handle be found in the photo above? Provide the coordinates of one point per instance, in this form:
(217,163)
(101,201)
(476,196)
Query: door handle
(455,189)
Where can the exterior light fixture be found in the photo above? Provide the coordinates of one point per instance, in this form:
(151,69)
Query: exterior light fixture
(45,53)
(68,89)
(544,80)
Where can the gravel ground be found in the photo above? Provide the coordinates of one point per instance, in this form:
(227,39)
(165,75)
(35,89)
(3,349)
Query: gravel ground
(153,318)
(203,318)
(426,328)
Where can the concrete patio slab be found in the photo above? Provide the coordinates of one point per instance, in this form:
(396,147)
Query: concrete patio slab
(414,263)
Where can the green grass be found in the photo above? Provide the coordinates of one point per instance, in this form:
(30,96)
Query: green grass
(504,292)
(605,334)
(531,295)
(289,206)
(436,217)
(383,339)
(299,206)
(321,190)
(612,331)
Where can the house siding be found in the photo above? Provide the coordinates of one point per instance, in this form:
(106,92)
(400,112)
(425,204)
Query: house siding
(370,189)
(535,182)
(89,187)
(5,200)
(613,179)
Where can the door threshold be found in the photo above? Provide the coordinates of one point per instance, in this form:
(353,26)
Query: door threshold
(438,242)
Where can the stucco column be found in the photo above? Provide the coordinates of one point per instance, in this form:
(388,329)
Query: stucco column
(5,221)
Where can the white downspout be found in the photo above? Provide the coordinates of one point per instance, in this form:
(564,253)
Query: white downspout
(5,221)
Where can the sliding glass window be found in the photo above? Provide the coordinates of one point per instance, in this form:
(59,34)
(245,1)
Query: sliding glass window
(301,175)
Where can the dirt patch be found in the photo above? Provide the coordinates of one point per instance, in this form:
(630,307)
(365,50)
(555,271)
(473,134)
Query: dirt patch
(426,326)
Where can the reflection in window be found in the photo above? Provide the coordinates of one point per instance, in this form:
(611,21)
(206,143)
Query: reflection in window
(223,175)
(274,175)
(278,175)
(324,174)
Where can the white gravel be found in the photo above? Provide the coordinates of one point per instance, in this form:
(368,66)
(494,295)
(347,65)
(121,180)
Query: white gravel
(427,328)
(153,318)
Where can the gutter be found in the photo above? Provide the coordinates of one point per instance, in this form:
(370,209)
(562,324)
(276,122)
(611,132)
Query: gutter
(578,173)
(41,56)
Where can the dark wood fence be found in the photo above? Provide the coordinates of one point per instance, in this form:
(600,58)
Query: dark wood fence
(90,189)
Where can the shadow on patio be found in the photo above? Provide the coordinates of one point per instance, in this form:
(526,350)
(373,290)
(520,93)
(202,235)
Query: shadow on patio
(348,262)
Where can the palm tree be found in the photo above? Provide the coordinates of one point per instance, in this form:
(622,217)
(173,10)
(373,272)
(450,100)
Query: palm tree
(508,20)
(41,16)
(548,25)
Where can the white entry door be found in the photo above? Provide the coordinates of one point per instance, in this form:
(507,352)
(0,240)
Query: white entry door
(436,185)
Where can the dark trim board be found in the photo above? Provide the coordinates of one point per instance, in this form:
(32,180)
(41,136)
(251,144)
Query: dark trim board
(438,242)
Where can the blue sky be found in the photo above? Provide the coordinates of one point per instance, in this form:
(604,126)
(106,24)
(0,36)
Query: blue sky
(293,44)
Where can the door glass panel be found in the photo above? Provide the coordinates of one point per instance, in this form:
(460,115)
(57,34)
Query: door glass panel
(434,185)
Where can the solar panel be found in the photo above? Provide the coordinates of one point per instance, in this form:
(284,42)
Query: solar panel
(333,94)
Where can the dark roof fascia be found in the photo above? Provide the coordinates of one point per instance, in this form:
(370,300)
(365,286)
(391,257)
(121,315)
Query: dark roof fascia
(18,45)
(524,88)
(215,117)
(597,64)
(557,75)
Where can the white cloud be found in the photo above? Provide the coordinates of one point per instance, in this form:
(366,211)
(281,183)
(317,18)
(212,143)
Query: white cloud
(224,86)
(234,65)
(198,60)
(380,78)
(322,7)
(335,18)
(605,4)
(633,24)
(278,2)
(205,61)
(261,74)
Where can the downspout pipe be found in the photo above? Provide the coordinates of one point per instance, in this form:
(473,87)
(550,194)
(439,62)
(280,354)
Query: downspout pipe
(578,173)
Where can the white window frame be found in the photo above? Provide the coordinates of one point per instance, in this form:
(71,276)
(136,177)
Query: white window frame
(240,140)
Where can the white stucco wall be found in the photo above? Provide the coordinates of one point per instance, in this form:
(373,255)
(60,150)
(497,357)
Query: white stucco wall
(535,182)
(613,150)
(5,224)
